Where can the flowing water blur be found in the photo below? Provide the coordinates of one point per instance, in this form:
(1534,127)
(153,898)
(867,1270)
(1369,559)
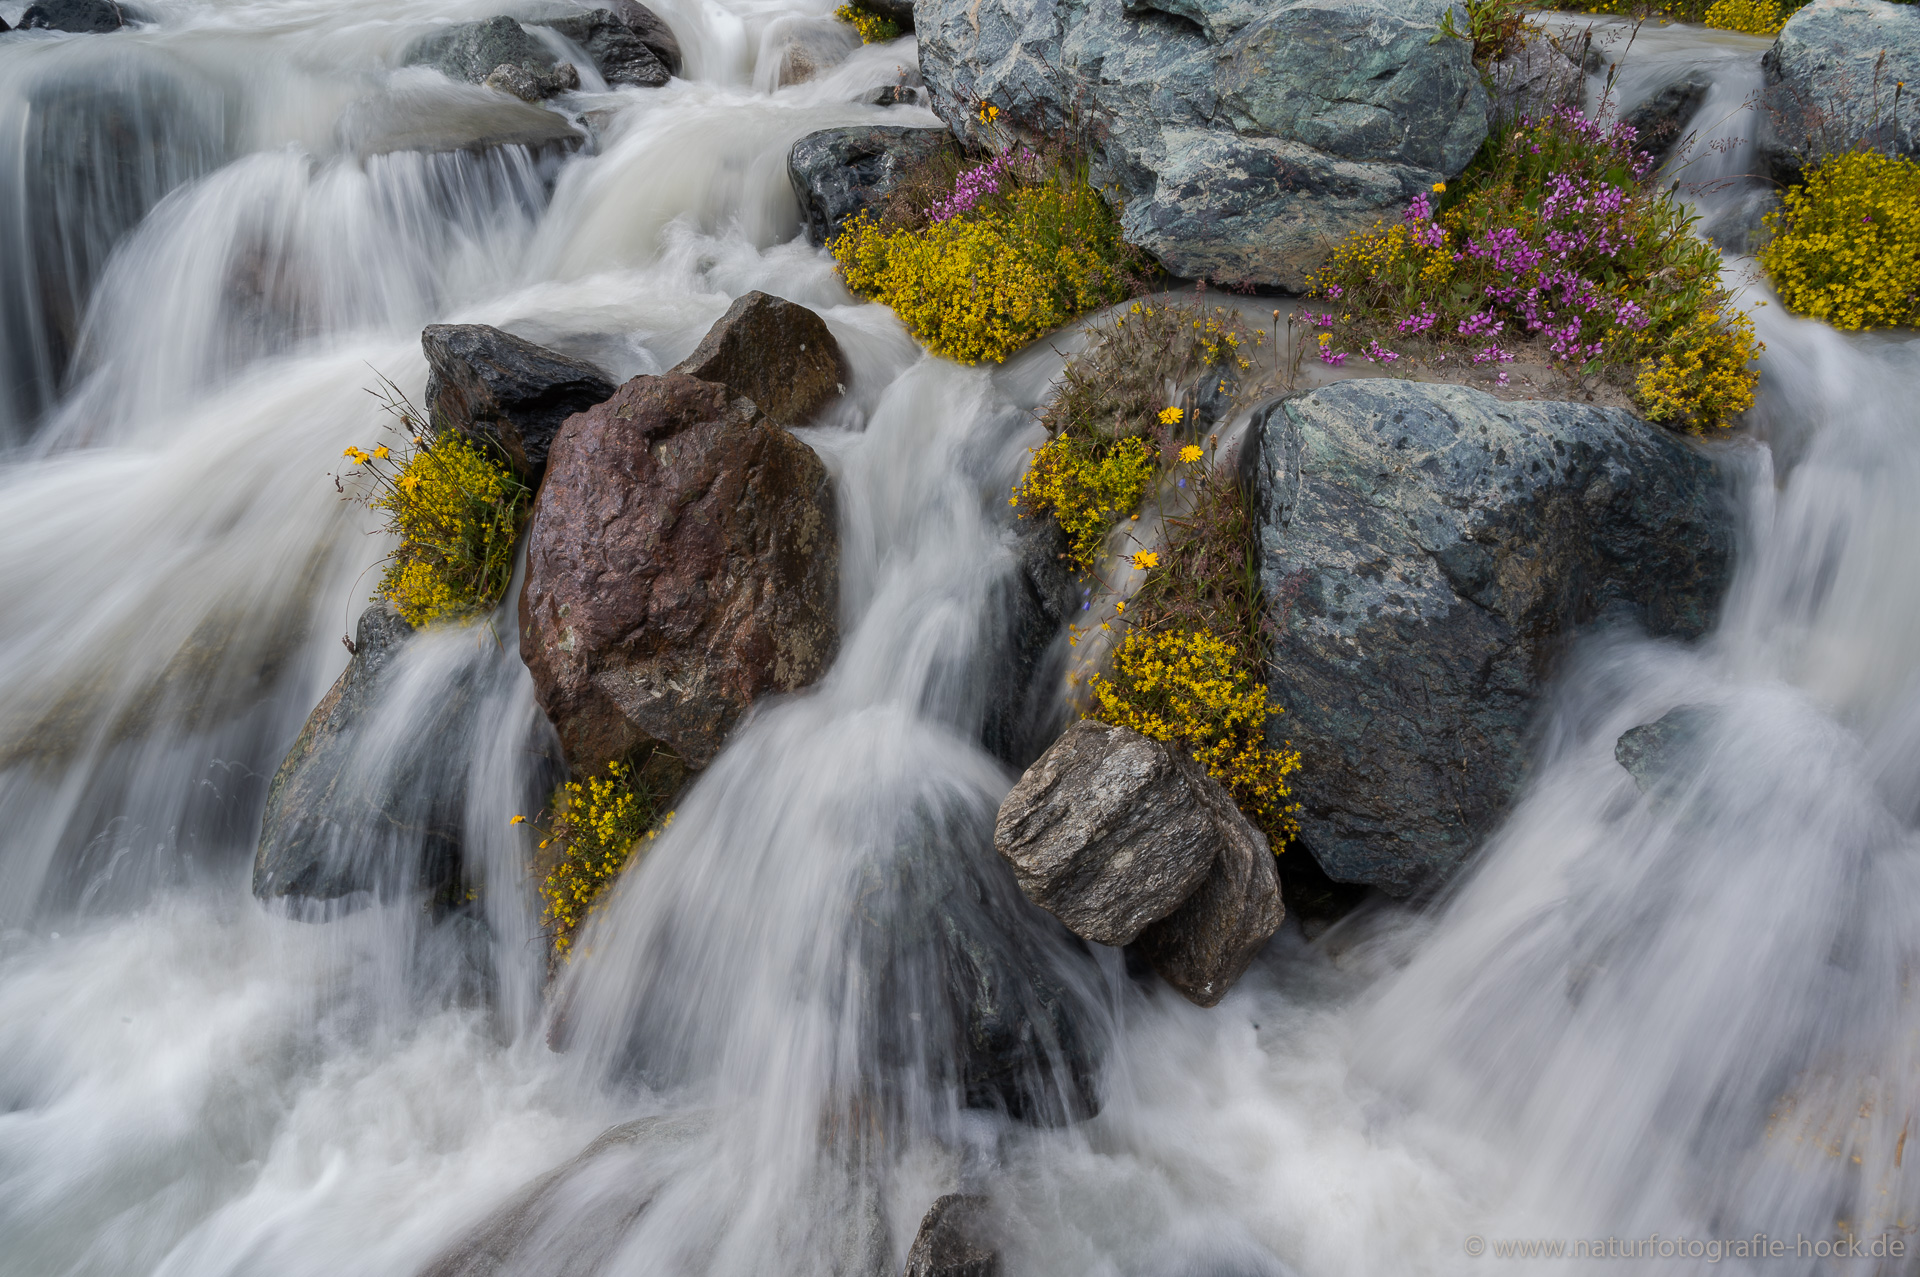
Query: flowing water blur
(1684,1014)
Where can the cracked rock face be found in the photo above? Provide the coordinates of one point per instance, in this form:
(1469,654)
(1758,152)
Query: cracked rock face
(1241,139)
(683,560)
(1426,553)
(1831,80)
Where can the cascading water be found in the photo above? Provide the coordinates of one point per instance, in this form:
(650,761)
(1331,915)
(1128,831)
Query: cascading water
(1683,1013)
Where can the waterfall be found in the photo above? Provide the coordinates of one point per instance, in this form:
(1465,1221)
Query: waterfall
(1682,1012)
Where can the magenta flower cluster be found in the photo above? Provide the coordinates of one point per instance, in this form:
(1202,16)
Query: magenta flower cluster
(978,183)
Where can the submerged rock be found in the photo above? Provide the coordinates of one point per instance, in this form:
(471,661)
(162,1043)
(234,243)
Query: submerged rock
(490,385)
(476,52)
(683,560)
(1239,137)
(81,17)
(838,173)
(1025,711)
(954,1240)
(1653,753)
(775,353)
(1123,838)
(622,52)
(528,85)
(1426,553)
(1833,79)
(1660,118)
(452,117)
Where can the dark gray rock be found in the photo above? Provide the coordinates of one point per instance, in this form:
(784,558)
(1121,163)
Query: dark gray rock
(1426,553)
(776,353)
(1206,944)
(532,86)
(901,11)
(342,818)
(490,385)
(1832,83)
(1240,137)
(1024,712)
(1661,118)
(619,51)
(1536,78)
(475,51)
(1108,832)
(82,17)
(955,1240)
(837,173)
(4,28)
(1655,753)
(652,31)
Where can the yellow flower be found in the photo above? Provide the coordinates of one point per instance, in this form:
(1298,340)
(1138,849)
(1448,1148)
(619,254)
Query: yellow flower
(383,452)
(1190,454)
(1439,187)
(1145,559)
(1326,339)
(1171,416)
(518,820)
(1121,606)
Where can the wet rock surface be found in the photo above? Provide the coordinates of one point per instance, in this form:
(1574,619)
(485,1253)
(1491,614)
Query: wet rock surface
(776,353)
(1025,711)
(452,117)
(1661,118)
(1241,138)
(955,1240)
(1831,80)
(80,17)
(1125,839)
(491,385)
(1426,553)
(528,85)
(838,173)
(1654,753)
(683,560)
(621,52)
(473,51)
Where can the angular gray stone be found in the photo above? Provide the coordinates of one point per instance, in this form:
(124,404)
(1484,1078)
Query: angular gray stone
(490,385)
(474,51)
(81,17)
(532,86)
(1426,553)
(1654,753)
(1105,832)
(1659,118)
(837,173)
(776,353)
(651,30)
(619,51)
(1831,82)
(954,1240)
(1241,138)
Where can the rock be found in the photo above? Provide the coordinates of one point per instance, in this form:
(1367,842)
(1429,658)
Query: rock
(1535,78)
(1024,711)
(4,28)
(682,561)
(1426,552)
(953,1240)
(1660,118)
(1107,833)
(476,52)
(1240,137)
(801,49)
(573,1219)
(451,117)
(488,384)
(530,86)
(837,173)
(1831,83)
(651,30)
(322,835)
(82,17)
(895,95)
(1206,944)
(1653,753)
(775,353)
(620,52)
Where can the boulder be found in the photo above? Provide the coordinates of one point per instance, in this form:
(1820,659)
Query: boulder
(838,173)
(651,30)
(332,828)
(1024,710)
(775,353)
(1831,83)
(954,1240)
(1535,78)
(1240,138)
(682,561)
(1655,753)
(82,17)
(623,54)
(1660,118)
(1426,552)
(476,52)
(490,385)
(1125,839)
(522,82)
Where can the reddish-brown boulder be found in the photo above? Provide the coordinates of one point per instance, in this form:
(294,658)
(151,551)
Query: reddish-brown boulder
(682,561)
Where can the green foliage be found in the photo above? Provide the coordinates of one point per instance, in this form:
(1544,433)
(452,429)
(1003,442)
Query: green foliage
(874,28)
(457,512)
(1846,242)
(1493,26)
(1553,238)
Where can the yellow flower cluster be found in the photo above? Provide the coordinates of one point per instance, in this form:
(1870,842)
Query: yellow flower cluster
(1846,243)
(1387,255)
(1702,374)
(1188,688)
(457,513)
(1085,484)
(873,27)
(597,825)
(981,285)
(1755,17)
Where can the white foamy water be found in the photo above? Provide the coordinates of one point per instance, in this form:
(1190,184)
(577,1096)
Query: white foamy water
(1687,1016)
